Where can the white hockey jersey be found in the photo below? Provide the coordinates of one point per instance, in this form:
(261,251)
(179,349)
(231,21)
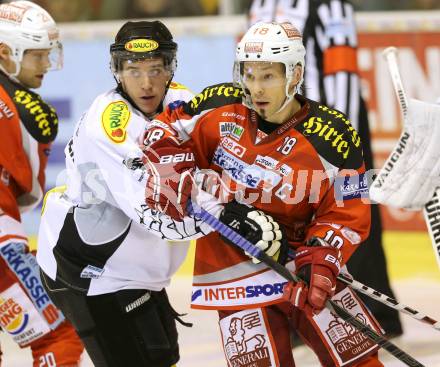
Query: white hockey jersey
(96,234)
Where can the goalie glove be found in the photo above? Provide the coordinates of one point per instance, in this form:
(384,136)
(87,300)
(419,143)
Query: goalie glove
(412,171)
(254,225)
(318,264)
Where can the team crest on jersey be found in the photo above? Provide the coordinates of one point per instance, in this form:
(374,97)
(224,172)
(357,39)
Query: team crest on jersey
(115,119)
(246,340)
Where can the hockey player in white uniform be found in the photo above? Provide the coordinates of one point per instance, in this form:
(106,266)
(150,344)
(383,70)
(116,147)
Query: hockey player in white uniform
(105,257)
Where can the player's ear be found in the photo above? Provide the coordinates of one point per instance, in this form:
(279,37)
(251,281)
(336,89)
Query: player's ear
(297,72)
(5,52)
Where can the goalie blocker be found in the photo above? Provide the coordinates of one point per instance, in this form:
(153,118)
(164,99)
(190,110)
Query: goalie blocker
(411,175)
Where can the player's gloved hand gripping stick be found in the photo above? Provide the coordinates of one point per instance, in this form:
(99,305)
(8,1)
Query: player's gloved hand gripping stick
(254,251)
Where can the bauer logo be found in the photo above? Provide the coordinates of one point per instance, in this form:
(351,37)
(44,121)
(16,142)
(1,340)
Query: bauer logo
(141,45)
(12,317)
(114,121)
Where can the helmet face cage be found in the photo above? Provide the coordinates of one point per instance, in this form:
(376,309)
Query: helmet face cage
(137,41)
(270,42)
(31,28)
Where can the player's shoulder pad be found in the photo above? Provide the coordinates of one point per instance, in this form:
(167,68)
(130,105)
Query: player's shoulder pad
(175,85)
(39,118)
(115,113)
(332,135)
(177,92)
(213,97)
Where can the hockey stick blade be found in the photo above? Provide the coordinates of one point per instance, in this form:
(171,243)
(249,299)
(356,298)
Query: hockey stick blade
(247,246)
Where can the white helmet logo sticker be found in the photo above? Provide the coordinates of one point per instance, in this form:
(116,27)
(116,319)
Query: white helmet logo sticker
(253,47)
(290,30)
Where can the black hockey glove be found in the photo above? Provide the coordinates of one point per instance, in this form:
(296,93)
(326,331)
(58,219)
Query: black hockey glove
(257,227)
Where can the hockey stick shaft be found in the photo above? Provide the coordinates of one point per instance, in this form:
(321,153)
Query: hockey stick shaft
(247,246)
(390,55)
(431,210)
(388,301)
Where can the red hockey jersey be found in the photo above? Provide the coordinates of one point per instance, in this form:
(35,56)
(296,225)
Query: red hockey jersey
(308,174)
(27,128)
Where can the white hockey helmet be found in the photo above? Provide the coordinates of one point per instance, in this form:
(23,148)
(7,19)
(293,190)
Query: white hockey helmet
(271,42)
(26,26)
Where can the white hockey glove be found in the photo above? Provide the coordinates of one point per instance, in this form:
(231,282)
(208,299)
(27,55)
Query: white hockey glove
(257,227)
(412,171)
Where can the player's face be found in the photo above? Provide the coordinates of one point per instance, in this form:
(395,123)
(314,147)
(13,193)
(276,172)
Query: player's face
(266,83)
(145,82)
(34,66)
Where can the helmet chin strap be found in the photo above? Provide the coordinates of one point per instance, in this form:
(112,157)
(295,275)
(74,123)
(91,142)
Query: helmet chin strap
(289,96)
(12,76)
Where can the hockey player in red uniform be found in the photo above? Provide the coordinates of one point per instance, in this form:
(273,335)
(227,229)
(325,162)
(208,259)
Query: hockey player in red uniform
(28,40)
(293,159)
(332,78)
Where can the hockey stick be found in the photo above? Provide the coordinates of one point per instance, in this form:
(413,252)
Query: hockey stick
(431,210)
(254,251)
(388,301)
